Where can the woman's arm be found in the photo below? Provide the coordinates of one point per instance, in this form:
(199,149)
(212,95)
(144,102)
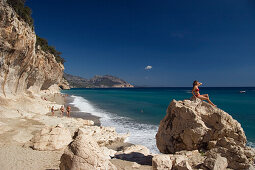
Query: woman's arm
(193,92)
(199,84)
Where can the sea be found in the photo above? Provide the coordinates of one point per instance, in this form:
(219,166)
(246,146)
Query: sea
(138,111)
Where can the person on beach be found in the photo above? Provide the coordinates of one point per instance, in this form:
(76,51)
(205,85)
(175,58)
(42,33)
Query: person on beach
(195,92)
(52,110)
(68,109)
(62,110)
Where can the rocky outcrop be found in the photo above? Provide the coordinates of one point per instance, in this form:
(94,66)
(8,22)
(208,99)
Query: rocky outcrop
(84,153)
(216,162)
(104,136)
(22,66)
(51,138)
(196,125)
(175,162)
(105,81)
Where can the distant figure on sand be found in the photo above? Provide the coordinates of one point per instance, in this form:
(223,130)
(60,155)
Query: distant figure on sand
(68,109)
(52,110)
(195,92)
(62,110)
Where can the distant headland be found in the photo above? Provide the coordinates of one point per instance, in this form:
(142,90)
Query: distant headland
(106,81)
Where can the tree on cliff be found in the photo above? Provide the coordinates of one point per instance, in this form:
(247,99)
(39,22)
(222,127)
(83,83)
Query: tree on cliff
(23,11)
(47,48)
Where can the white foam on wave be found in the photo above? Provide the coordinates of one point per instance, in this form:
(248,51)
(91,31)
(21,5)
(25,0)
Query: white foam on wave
(251,144)
(84,106)
(143,134)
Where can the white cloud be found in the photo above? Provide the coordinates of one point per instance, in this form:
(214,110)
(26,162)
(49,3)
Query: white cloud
(148,67)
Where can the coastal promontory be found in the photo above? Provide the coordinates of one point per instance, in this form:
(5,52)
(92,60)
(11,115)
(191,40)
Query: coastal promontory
(106,81)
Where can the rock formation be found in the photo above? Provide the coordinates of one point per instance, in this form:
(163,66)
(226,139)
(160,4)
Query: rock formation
(176,162)
(84,153)
(22,65)
(135,153)
(51,138)
(196,125)
(104,136)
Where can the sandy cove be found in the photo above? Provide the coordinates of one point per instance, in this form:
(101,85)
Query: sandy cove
(21,117)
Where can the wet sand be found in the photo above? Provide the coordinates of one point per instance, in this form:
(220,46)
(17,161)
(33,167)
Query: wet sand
(76,113)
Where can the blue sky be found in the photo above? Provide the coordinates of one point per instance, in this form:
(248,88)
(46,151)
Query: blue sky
(183,40)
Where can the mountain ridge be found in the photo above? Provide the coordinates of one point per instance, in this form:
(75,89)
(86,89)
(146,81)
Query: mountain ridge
(98,81)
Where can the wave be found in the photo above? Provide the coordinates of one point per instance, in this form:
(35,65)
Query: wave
(140,133)
(251,144)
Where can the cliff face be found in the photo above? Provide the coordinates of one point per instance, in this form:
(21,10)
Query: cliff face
(22,66)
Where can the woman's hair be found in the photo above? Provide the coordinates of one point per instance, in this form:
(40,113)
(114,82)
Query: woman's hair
(195,83)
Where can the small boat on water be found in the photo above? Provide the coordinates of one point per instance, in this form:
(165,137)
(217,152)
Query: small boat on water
(242,91)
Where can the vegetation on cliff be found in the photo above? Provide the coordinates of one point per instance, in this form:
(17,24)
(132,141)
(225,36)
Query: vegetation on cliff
(24,12)
(43,43)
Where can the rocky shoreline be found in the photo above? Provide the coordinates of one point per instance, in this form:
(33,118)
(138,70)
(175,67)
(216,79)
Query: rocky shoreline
(33,139)
(193,135)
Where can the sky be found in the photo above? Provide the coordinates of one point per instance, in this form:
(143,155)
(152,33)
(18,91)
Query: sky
(167,43)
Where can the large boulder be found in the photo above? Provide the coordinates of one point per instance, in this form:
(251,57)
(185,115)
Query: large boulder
(192,125)
(196,125)
(84,153)
(51,138)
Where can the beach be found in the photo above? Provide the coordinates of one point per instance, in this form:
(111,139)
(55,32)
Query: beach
(17,130)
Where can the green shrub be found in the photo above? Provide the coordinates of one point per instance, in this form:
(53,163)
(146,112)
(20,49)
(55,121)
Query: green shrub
(23,11)
(47,48)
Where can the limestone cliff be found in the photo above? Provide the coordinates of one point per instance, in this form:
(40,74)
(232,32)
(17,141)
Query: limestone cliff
(23,66)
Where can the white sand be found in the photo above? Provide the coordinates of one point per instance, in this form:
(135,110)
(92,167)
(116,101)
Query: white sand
(23,116)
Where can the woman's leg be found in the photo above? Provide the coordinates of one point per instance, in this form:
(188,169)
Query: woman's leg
(203,97)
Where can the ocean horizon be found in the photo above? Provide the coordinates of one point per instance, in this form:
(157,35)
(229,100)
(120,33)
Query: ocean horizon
(139,110)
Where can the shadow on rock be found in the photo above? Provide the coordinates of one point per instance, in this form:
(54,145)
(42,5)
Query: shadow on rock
(135,157)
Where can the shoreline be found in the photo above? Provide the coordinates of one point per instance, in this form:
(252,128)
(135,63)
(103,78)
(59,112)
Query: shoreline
(16,144)
(16,133)
(77,113)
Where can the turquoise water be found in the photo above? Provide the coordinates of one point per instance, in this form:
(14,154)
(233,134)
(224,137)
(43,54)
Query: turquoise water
(139,110)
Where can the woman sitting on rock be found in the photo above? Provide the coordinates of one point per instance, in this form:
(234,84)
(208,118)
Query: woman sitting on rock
(195,92)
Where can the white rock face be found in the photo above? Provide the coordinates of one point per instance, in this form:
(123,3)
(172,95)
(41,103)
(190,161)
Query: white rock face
(108,152)
(175,162)
(104,136)
(23,67)
(51,138)
(135,153)
(161,162)
(196,125)
(84,153)
(136,148)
